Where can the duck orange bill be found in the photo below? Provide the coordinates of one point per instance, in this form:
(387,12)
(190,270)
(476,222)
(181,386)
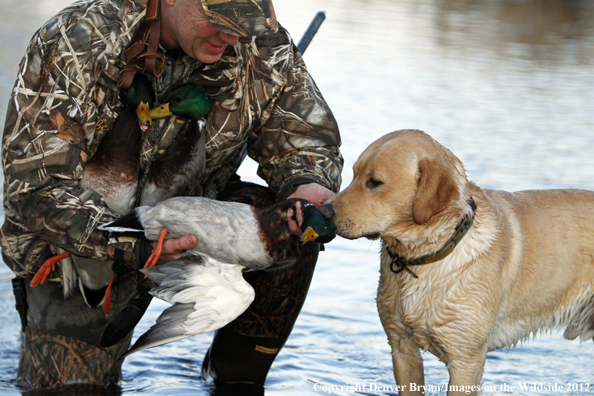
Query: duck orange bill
(308,235)
(161,111)
(144,116)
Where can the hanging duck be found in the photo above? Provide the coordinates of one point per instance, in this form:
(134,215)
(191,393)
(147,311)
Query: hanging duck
(140,97)
(205,286)
(114,170)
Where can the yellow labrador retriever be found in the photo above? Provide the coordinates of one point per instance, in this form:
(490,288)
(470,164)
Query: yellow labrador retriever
(493,267)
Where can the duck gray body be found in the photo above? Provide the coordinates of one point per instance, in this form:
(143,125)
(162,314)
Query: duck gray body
(226,231)
(229,232)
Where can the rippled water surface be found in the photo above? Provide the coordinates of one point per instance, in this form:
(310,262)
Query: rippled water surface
(508,86)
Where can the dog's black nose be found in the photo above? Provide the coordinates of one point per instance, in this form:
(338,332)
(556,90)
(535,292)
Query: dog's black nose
(326,210)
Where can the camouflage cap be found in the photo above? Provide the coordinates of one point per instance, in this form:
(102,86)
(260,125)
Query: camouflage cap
(242,17)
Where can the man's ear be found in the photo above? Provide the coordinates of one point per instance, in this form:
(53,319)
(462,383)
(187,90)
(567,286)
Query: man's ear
(436,191)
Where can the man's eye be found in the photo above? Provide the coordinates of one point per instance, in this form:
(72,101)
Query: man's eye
(372,183)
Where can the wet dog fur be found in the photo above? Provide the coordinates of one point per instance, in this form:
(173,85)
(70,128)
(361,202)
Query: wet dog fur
(525,265)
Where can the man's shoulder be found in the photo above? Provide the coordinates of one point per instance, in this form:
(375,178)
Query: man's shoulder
(270,52)
(83,20)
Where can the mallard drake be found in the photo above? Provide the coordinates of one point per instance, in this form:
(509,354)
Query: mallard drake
(140,97)
(315,226)
(205,286)
(113,173)
(114,170)
(188,100)
(179,167)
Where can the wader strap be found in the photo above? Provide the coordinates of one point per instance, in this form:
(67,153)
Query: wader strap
(20,296)
(143,54)
(152,11)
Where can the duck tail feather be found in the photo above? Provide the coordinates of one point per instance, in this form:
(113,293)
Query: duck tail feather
(127,223)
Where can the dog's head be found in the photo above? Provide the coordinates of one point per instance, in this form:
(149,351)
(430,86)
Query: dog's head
(401,181)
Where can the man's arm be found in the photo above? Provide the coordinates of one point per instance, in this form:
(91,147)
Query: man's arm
(298,146)
(299,143)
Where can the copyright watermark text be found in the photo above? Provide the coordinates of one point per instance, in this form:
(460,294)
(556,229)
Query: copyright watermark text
(528,386)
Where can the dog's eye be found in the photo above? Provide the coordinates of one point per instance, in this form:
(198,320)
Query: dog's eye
(372,183)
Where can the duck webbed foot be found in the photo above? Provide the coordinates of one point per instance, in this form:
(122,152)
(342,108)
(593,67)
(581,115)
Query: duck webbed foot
(154,257)
(48,266)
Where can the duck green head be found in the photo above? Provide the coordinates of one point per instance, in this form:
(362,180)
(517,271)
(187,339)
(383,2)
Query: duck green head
(141,90)
(140,96)
(315,226)
(188,100)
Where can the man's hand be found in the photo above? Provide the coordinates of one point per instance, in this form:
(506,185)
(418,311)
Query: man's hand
(174,248)
(315,194)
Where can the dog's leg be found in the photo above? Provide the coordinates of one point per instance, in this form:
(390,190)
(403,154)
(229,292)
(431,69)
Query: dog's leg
(466,371)
(408,368)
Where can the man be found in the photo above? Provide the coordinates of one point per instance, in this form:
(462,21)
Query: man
(66,98)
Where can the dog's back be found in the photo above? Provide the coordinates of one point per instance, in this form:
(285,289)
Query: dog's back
(550,276)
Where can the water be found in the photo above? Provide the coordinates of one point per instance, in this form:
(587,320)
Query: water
(508,86)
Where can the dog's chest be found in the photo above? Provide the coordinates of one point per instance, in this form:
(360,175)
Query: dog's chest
(410,310)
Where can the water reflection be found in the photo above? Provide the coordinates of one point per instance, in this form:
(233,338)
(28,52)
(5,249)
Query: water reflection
(508,86)
(541,24)
(76,390)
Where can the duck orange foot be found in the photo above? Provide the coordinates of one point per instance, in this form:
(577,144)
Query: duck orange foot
(48,266)
(156,254)
(151,262)
(107,301)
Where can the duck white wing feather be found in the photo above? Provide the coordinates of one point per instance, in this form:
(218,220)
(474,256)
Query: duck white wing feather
(206,295)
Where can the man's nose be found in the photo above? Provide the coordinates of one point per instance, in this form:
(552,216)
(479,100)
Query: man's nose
(229,39)
(326,210)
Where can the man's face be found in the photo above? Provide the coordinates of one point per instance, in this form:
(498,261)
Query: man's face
(185,25)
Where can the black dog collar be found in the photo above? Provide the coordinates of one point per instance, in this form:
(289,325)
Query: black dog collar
(461,230)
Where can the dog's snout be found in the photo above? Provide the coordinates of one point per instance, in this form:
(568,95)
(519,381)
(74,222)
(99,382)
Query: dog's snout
(326,210)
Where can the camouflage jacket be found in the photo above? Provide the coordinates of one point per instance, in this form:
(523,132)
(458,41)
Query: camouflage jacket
(265,105)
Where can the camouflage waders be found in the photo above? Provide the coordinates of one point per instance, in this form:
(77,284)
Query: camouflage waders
(60,343)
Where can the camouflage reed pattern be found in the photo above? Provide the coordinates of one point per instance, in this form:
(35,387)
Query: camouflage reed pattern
(65,99)
(51,360)
(242,17)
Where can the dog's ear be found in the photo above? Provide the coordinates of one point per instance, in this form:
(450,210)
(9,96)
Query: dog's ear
(435,192)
